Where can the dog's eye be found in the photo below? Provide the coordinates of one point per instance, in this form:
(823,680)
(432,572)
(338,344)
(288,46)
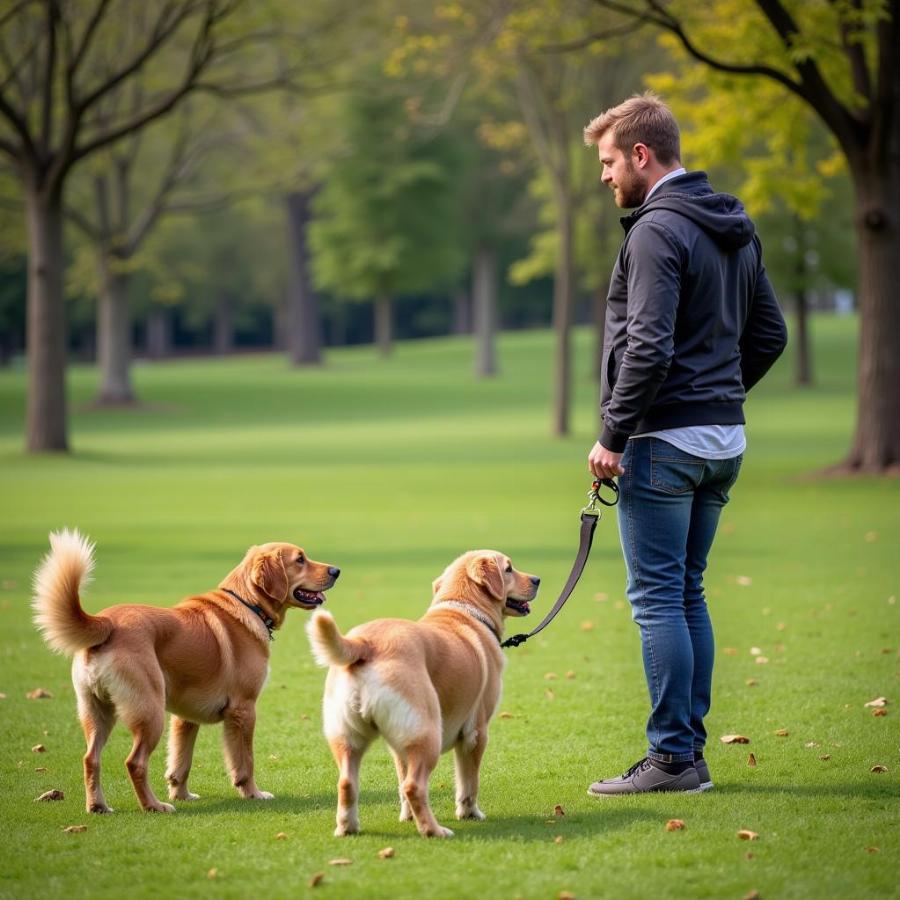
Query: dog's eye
(300,560)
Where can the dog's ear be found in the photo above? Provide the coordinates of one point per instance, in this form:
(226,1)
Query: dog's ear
(485,570)
(269,576)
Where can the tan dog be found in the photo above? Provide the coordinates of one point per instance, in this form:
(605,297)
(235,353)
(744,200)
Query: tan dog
(205,660)
(426,686)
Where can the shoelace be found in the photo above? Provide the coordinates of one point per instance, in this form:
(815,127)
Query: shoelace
(641,764)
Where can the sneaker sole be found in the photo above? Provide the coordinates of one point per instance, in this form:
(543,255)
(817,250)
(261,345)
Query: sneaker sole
(706,785)
(696,790)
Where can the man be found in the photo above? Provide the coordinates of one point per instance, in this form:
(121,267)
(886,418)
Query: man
(692,324)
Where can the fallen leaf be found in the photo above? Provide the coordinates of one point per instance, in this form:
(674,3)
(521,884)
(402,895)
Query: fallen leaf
(317,879)
(871,537)
(558,839)
(38,748)
(3,696)
(40,769)
(620,604)
(550,676)
(782,732)
(558,810)
(752,895)
(873,849)
(51,795)
(883,650)
(734,739)
(274,757)
(386,853)
(281,836)
(878,770)
(751,761)
(340,861)
(755,651)
(549,694)
(892,600)
(74,829)
(744,580)
(730,651)
(811,744)
(749,855)
(587,626)
(780,626)
(825,757)
(304,717)
(746,835)
(675,825)
(762,660)
(570,674)
(565,895)
(751,682)
(39,694)
(601,598)
(877,703)
(879,712)
(212,873)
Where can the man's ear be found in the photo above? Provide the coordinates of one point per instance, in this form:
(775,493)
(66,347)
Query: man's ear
(485,570)
(269,576)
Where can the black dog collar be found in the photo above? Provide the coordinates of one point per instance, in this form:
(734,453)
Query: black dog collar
(470,610)
(268,622)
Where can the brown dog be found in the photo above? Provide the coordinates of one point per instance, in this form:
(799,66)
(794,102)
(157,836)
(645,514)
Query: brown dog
(205,660)
(426,686)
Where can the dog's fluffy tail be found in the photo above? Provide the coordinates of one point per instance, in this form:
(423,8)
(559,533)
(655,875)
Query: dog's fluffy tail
(66,627)
(329,646)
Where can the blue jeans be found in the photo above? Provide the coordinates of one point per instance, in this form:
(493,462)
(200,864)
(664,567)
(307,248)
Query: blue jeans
(668,513)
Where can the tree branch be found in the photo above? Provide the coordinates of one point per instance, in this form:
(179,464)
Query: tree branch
(88,35)
(49,75)
(82,222)
(855,52)
(615,32)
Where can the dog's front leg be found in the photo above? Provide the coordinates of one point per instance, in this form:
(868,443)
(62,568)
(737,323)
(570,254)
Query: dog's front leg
(240,720)
(468,753)
(182,735)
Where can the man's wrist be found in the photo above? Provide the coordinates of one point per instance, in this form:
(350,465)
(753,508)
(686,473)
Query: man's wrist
(616,441)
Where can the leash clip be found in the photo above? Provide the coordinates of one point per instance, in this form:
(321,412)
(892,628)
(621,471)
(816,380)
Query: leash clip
(594,496)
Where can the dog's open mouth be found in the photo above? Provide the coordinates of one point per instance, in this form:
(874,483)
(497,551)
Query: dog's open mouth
(309,599)
(519,607)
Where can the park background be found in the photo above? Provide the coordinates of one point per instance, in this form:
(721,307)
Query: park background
(334,273)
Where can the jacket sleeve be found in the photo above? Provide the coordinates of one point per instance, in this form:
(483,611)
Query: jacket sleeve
(765,334)
(653,265)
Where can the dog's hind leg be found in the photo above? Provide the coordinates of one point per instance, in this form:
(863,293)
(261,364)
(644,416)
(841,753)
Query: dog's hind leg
(405,811)
(348,759)
(421,758)
(182,735)
(147,729)
(240,721)
(468,752)
(97,720)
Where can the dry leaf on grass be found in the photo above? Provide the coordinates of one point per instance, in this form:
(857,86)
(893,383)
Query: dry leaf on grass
(549,694)
(755,651)
(386,853)
(780,626)
(752,895)
(782,732)
(751,761)
(734,739)
(749,855)
(570,674)
(506,715)
(316,879)
(675,825)
(877,703)
(878,770)
(871,537)
(340,861)
(38,748)
(873,849)
(74,829)
(825,757)
(746,835)
(212,873)
(601,597)
(281,836)
(811,744)
(730,651)
(879,712)
(558,839)
(51,795)
(565,895)
(41,769)
(751,682)
(3,696)
(550,676)
(558,810)
(762,660)
(744,580)
(588,626)
(39,694)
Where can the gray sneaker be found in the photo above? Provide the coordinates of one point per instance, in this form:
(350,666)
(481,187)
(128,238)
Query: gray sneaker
(643,777)
(702,768)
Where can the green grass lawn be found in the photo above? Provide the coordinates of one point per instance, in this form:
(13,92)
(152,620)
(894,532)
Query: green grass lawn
(390,469)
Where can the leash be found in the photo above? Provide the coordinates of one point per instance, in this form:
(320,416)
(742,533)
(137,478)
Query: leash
(268,622)
(590,516)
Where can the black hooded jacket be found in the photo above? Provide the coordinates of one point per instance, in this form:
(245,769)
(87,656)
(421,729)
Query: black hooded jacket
(692,322)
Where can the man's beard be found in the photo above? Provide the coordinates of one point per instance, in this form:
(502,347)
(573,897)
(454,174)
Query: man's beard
(632,190)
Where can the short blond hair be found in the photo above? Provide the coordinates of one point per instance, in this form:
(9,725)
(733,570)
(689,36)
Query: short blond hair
(641,119)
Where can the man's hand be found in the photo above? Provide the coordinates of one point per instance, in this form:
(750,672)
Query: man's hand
(603,463)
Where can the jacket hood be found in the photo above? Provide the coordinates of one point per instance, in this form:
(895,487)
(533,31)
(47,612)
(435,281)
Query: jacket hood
(720,215)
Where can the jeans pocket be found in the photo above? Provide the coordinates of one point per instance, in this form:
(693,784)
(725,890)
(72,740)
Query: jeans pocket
(674,471)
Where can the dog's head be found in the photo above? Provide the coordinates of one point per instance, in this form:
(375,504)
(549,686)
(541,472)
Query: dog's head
(280,575)
(487,579)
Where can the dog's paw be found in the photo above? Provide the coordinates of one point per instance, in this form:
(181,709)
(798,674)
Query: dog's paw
(345,830)
(100,808)
(405,813)
(439,832)
(261,795)
(185,796)
(160,808)
(470,812)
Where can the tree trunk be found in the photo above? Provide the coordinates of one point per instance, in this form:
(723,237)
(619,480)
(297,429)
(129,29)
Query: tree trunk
(562,313)
(305,327)
(46,325)
(876,443)
(223,325)
(462,313)
(599,335)
(383,324)
(803,362)
(114,337)
(159,333)
(484,309)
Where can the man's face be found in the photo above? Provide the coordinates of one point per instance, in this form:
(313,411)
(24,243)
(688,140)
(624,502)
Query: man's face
(629,184)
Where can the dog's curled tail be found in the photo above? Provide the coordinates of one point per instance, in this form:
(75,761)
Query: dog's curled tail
(66,627)
(330,647)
